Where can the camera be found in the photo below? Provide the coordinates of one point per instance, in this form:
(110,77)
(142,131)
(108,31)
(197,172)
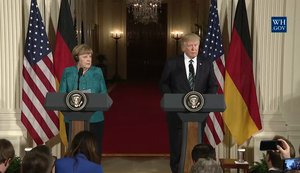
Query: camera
(269,145)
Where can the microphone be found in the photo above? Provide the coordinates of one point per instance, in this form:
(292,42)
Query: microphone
(80,72)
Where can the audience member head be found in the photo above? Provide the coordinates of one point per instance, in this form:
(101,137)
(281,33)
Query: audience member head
(84,142)
(274,160)
(291,146)
(203,151)
(206,165)
(42,149)
(7,153)
(38,160)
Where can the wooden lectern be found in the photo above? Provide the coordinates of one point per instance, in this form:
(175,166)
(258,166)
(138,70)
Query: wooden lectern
(79,120)
(192,123)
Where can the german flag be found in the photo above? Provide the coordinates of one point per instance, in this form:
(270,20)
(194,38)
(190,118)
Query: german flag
(242,115)
(65,42)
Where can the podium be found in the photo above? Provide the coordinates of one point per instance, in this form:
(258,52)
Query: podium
(79,120)
(192,122)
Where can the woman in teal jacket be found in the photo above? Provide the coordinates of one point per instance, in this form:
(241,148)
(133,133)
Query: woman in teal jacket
(91,81)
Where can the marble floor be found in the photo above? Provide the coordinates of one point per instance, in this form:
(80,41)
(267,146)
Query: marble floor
(135,164)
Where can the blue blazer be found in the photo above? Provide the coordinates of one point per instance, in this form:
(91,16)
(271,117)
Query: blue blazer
(77,164)
(92,81)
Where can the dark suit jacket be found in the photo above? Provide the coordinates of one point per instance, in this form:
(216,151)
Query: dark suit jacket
(77,164)
(174,77)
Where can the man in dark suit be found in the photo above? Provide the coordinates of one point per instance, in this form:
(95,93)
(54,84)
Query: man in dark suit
(183,74)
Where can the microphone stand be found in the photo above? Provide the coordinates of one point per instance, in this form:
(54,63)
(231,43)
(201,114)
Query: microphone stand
(80,71)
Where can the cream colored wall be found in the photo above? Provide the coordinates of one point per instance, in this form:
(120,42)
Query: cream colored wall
(290,79)
(11,40)
(275,58)
(275,66)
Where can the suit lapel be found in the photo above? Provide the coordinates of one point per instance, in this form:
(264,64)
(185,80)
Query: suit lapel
(199,71)
(182,72)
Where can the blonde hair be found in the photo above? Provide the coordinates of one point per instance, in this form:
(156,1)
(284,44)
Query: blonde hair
(81,49)
(189,37)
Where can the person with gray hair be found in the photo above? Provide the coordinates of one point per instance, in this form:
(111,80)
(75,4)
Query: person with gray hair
(205,165)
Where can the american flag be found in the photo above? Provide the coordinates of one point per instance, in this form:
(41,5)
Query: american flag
(38,79)
(213,49)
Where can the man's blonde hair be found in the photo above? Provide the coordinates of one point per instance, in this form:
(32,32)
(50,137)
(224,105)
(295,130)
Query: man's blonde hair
(189,37)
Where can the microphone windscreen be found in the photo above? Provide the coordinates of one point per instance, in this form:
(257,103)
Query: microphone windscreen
(80,71)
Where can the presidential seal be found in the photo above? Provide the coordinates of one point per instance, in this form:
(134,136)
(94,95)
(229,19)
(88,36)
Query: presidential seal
(193,101)
(76,100)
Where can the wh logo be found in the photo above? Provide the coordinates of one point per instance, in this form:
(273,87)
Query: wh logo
(279,24)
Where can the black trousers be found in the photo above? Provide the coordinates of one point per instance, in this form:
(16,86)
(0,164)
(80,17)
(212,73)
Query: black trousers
(97,130)
(175,140)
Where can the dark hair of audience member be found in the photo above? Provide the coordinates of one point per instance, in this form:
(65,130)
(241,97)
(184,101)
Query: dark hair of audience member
(203,151)
(42,149)
(292,148)
(36,162)
(275,158)
(84,142)
(7,150)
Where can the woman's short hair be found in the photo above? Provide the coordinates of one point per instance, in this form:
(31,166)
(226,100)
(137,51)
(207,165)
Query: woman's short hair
(80,50)
(7,150)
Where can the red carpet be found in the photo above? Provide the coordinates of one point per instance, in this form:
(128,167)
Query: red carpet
(135,124)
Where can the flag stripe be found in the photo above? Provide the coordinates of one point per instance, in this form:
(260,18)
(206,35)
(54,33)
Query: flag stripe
(242,113)
(213,49)
(41,75)
(62,57)
(219,71)
(34,118)
(211,140)
(211,123)
(218,121)
(38,80)
(240,121)
(37,87)
(49,66)
(242,26)
(37,109)
(65,26)
(31,130)
(65,42)
(243,71)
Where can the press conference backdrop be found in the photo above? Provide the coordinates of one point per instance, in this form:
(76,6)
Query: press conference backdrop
(276,60)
